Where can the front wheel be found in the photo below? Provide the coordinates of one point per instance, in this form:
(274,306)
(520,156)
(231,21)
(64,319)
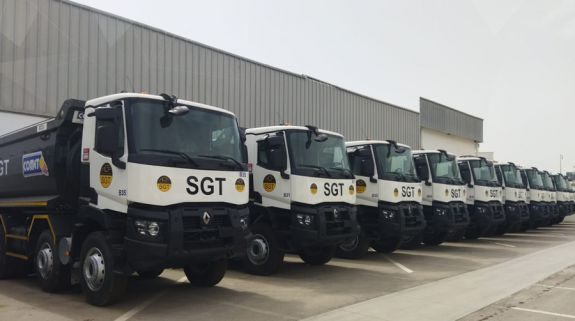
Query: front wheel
(206,274)
(354,249)
(100,284)
(317,255)
(50,272)
(263,255)
(412,242)
(386,245)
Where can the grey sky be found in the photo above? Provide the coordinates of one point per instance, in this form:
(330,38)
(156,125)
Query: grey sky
(511,62)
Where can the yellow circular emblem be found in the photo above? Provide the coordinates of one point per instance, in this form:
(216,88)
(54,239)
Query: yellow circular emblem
(360,185)
(240,185)
(313,189)
(106,175)
(164,183)
(351,190)
(269,183)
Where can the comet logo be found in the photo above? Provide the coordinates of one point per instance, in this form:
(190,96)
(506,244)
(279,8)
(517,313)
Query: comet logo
(34,164)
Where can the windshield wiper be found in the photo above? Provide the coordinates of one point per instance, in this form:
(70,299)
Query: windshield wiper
(320,168)
(401,175)
(171,152)
(226,158)
(345,170)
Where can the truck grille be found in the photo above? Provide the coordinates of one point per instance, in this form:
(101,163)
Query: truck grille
(336,224)
(197,234)
(459,213)
(498,213)
(412,215)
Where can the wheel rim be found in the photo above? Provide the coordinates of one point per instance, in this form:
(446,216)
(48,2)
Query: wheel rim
(258,250)
(350,245)
(45,260)
(94,269)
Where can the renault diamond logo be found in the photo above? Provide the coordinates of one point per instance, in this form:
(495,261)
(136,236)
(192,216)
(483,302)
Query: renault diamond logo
(335,213)
(206,218)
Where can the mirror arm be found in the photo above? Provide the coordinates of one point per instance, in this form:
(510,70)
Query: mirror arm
(372,179)
(428,183)
(283,174)
(118,163)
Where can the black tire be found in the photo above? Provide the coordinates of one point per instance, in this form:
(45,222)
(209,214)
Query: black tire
(354,249)
(5,266)
(100,284)
(151,274)
(435,239)
(206,274)
(51,274)
(317,255)
(412,243)
(263,257)
(386,245)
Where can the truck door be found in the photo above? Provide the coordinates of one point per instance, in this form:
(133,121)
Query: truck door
(270,176)
(362,165)
(468,179)
(423,172)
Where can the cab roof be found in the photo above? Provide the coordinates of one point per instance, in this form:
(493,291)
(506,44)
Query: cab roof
(372,142)
(430,151)
(279,128)
(106,99)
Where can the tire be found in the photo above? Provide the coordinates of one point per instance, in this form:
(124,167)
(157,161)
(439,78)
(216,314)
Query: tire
(412,243)
(150,274)
(206,274)
(51,274)
(317,255)
(435,238)
(263,255)
(100,284)
(386,245)
(5,266)
(354,249)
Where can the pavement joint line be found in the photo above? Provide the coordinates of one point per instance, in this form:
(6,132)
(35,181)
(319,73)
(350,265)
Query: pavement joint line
(545,312)
(555,287)
(139,308)
(399,265)
(503,244)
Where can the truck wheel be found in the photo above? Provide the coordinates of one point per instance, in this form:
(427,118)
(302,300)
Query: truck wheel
(206,274)
(5,267)
(100,284)
(435,239)
(386,245)
(317,255)
(263,255)
(412,243)
(150,274)
(354,249)
(52,275)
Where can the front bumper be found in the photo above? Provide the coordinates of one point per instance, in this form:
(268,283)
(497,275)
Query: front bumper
(487,216)
(446,217)
(332,225)
(538,214)
(184,236)
(392,220)
(516,213)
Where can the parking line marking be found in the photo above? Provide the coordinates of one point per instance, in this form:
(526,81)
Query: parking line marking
(128,315)
(503,244)
(556,287)
(546,313)
(399,265)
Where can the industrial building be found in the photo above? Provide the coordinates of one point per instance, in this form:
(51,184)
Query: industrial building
(51,50)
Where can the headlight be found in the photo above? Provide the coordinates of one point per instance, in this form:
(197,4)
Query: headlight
(147,228)
(304,219)
(511,208)
(440,211)
(481,210)
(244,222)
(388,214)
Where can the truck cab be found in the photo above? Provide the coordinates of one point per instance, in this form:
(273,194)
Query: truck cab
(514,197)
(551,198)
(302,196)
(536,195)
(563,196)
(389,194)
(443,196)
(121,184)
(484,196)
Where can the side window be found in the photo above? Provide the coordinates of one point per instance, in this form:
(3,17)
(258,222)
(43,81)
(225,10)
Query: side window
(465,173)
(116,125)
(499,176)
(421,167)
(271,156)
(357,157)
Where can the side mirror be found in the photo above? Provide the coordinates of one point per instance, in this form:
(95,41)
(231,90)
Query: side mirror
(368,170)
(278,160)
(107,140)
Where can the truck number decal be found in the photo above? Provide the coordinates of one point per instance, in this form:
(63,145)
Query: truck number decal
(4,167)
(334,189)
(122,192)
(455,193)
(407,191)
(207,185)
(493,193)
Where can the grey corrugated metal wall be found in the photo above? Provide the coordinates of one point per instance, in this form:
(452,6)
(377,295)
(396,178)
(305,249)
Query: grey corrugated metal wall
(52,50)
(448,120)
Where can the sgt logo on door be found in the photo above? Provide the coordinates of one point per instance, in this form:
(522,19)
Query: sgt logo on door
(106,175)
(269,183)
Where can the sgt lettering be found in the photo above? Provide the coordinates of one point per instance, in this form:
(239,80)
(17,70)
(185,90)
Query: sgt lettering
(206,185)
(333,189)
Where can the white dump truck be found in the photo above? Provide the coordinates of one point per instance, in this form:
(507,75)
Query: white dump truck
(563,196)
(551,198)
(443,196)
(302,196)
(120,184)
(536,195)
(388,201)
(484,196)
(514,198)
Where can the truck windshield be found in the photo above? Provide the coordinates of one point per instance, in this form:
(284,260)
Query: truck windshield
(512,176)
(535,179)
(309,157)
(200,138)
(444,169)
(547,182)
(483,172)
(395,164)
(560,183)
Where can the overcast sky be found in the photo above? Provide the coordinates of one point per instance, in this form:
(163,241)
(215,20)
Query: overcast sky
(510,62)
